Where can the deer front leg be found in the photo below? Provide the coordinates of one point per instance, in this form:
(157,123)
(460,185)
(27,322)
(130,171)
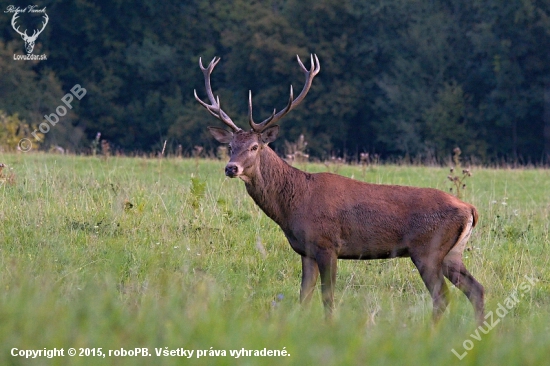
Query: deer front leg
(432,275)
(310,272)
(326,261)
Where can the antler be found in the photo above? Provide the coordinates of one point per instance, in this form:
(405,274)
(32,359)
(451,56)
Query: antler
(24,34)
(274,118)
(46,18)
(214,108)
(15,16)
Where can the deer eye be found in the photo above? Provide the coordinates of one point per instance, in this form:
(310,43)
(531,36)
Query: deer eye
(229,149)
(254,148)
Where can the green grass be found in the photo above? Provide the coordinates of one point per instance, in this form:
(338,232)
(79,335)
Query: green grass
(131,253)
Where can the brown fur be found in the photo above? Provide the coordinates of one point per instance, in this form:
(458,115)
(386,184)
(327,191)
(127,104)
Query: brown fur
(326,217)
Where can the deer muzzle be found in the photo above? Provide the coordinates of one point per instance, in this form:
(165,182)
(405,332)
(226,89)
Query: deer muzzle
(231,170)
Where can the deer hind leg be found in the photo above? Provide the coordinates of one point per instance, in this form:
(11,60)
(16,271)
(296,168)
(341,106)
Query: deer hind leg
(456,272)
(327,263)
(432,275)
(310,272)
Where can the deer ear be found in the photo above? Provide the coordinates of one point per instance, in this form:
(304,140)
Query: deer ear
(270,134)
(221,135)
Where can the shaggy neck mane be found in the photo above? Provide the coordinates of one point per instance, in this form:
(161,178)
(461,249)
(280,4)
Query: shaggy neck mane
(275,186)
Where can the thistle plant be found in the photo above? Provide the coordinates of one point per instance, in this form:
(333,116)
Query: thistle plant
(458,180)
(295,151)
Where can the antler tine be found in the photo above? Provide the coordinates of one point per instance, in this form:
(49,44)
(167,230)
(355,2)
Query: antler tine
(315,68)
(36,32)
(214,106)
(207,71)
(250,119)
(274,118)
(224,117)
(13,19)
(207,106)
(46,19)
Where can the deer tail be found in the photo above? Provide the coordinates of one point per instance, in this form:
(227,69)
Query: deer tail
(475,216)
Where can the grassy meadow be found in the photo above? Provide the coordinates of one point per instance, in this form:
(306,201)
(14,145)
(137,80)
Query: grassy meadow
(126,253)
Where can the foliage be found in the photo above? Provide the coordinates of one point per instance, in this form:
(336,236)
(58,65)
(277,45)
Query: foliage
(398,77)
(12,130)
(31,92)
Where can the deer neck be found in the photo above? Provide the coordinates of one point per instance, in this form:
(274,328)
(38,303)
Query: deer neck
(276,186)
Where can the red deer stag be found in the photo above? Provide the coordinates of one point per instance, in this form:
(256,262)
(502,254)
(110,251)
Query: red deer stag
(326,217)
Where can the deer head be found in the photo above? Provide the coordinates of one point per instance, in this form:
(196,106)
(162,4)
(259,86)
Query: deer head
(244,146)
(29,40)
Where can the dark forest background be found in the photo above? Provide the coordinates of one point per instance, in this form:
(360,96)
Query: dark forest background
(398,78)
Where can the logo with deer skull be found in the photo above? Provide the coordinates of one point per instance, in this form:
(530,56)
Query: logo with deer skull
(29,40)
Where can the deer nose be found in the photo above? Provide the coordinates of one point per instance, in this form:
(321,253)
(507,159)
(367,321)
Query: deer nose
(231,170)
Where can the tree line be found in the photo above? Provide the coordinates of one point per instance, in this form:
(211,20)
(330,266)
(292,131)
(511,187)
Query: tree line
(398,78)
